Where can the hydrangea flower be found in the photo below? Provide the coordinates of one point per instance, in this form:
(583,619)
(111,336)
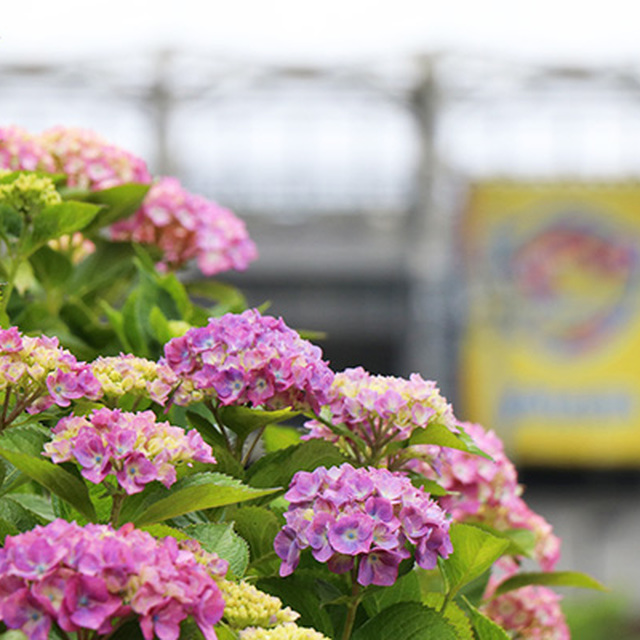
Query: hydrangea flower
(29,193)
(22,151)
(488,492)
(249,359)
(186,227)
(132,446)
(532,612)
(287,631)
(94,577)
(38,373)
(246,606)
(364,518)
(129,374)
(89,161)
(379,410)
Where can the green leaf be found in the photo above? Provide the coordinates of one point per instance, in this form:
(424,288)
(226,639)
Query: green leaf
(118,203)
(279,437)
(116,320)
(474,551)
(453,613)
(11,222)
(160,531)
(54,478)
(223,540)
(228,297)
(550,579)
(405,589)
(406,621)
(243,420)
(36,505)
(25,438)
(277,468)
(193,493)
(58,220)
(258,526)
(7,529)
(300,592)
(522,541)
(442,436)
(485,628)
(159,325)
(50,267)
(17,516)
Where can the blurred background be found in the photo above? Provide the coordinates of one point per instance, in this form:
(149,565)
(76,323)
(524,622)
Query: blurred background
(452,190)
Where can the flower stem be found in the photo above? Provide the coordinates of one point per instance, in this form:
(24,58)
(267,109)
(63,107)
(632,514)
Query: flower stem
(116,506)
(353,606)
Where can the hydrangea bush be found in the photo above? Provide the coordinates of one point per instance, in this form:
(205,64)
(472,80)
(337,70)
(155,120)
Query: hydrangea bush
(152,481)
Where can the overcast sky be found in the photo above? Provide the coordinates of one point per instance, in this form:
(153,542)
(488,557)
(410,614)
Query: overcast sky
(568,31)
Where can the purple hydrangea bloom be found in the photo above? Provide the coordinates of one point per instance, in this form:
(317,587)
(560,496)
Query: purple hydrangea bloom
(249,359)
(95,577)
(366,517)
(132,446)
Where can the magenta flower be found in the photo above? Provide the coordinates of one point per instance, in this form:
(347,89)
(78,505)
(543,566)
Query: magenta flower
(22,611)
(39,373)
(89,601)
(346,515)
(351,534)
(89,161)
(188,227)
(249,359)
(488,491)
(21,151)
(99,577)
(379,411)
(132,446)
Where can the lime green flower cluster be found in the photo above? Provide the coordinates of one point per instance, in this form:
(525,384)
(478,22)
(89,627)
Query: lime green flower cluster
(129,374)
(247,606)
(29,193)
(287,631)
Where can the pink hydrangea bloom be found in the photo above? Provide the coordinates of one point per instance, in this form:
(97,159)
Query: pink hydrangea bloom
(249,359)
(38,373)
(89,161)
(379,410)
(530,613)
(132,446)
(94,577)
(188,227)
(361,517)
(19,150)
(488,492)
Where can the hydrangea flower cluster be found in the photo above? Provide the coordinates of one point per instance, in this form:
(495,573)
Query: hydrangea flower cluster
(361,519)
(39,373)
(185,227)
(132,446)
(532,612)
(287,631)
(90,162)
(488,492)
(249,359)
(380,410)
(29,193)
(129,374)
(20,150)
(95,577)
(246,606)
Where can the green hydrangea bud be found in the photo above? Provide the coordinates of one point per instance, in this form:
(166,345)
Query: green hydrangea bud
(29,193)
(247,606)
(287,631)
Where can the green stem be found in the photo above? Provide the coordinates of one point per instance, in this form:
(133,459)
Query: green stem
(247,455)
(216,416)
(353,606)
(116,506)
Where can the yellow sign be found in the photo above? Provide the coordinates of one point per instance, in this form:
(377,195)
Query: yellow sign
(551,355)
